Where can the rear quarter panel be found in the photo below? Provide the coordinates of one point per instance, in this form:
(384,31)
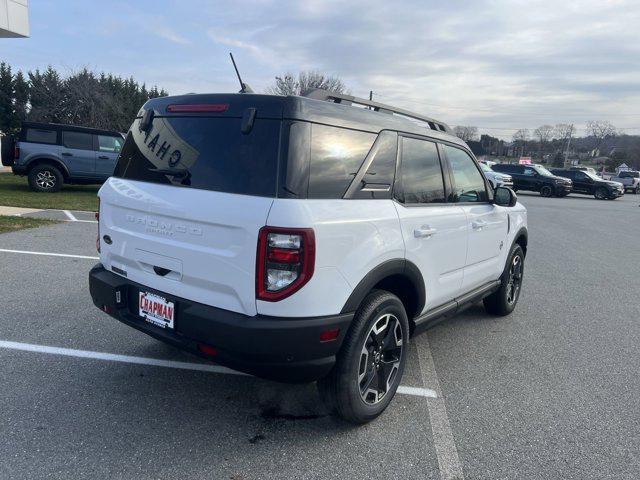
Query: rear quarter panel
(352,238)
(30,152)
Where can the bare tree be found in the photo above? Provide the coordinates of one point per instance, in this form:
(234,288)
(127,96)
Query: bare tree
(289,84)
(520,139)
(564,132)
(466,133)
(543,133)
(600,130)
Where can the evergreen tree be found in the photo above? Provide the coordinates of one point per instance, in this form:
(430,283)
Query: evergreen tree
(20,100)
(6,98)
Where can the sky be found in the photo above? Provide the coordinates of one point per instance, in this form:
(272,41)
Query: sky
(497,65)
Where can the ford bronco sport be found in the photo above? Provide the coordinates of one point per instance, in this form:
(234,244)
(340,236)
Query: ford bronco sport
(301,238)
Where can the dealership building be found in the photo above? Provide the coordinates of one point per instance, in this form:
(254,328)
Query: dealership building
(14,18)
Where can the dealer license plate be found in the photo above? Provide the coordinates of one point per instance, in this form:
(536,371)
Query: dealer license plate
(156,310)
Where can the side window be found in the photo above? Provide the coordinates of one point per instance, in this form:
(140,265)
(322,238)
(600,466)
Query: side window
(580,176)
(79,140)
(37,135)
(336,156)
(109,144)
(421,173)
(468,183)
(529,172)
(378,179)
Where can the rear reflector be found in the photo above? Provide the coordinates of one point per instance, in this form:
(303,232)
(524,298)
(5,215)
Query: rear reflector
(329,335)
(207,350)
(198,108)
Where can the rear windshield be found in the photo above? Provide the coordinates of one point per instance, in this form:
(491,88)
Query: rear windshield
(205,153)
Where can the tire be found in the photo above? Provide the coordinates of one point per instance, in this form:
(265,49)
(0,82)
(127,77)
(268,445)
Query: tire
(45,178)
(374,349)
(7,151)
(601,193)
(546,191)
(503,301)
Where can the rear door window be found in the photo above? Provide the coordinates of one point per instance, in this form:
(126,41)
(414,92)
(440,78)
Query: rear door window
(336,157)
(37,135)
(377,181)
(209,153)
(421,172)
(77,140)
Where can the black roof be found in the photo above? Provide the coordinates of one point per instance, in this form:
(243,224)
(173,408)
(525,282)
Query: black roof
(300,108)
(74,128)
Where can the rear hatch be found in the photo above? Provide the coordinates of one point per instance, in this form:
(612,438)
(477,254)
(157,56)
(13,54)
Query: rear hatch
(192,188)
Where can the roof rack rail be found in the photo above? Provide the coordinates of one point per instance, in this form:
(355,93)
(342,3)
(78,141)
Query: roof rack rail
(326,95)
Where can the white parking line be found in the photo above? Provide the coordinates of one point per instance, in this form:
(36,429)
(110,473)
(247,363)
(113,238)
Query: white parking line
(156,362)
(70,215)
(443,441)
(49,254)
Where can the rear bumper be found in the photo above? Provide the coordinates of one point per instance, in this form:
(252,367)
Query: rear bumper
(282,349)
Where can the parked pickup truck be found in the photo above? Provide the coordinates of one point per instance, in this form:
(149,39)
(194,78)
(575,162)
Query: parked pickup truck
(630,179)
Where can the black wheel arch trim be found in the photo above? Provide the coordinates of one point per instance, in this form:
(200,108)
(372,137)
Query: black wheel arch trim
(48,160)
(379,273)
(524,234)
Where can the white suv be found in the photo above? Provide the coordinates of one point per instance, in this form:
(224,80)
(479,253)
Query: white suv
(301,238)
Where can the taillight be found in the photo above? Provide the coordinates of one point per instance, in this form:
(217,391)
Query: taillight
(16,152)
(284,261)
(98,220)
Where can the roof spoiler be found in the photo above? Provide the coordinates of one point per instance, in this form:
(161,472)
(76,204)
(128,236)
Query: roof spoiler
(326,95)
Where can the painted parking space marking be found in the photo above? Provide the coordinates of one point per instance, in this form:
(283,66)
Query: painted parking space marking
(49,254)
(157,362)
(443,441)
(70,216)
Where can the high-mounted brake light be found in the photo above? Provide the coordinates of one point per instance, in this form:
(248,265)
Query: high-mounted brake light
(284,261)
(198,108)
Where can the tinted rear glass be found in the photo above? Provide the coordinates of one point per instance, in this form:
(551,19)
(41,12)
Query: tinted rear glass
(37,135)
(336,156)
(206,153)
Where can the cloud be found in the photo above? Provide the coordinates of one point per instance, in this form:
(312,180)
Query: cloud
(170,35)
(494,64)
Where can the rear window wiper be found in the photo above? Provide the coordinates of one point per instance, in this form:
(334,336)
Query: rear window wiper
(172,172)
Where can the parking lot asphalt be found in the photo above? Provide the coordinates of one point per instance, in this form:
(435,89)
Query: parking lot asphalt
(548,392)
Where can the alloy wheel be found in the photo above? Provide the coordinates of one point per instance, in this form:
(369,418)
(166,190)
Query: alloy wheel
(46,180)
(380,359)
(515,279)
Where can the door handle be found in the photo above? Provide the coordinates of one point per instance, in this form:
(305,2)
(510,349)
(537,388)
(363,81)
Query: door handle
(424,232)
(103,157)
(478,224)
(67,154)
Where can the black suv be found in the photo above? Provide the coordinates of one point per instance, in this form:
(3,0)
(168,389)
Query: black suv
(535,178)
(590,184)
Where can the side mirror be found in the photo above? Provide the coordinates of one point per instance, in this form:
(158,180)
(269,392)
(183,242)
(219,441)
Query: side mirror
(505,197)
